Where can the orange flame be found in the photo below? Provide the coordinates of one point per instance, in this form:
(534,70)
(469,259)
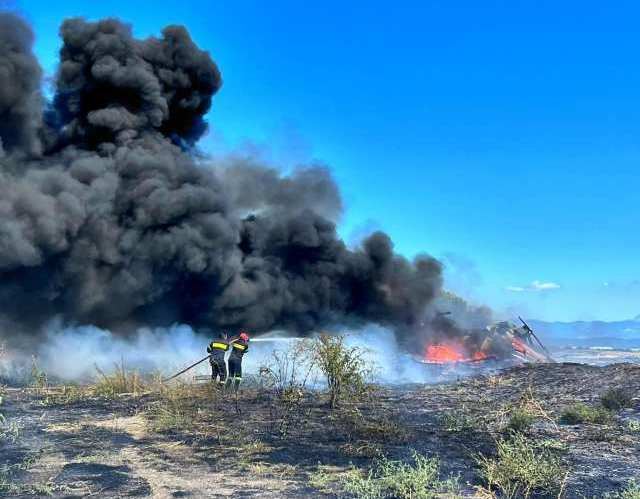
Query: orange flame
(443,353)
(479,355)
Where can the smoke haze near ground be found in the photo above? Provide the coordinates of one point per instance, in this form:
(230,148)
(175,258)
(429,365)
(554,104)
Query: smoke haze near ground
(110,220)
(167,350)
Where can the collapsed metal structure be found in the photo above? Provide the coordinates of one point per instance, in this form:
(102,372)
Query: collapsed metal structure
(502,342)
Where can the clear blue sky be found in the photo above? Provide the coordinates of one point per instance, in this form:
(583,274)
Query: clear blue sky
(502,137)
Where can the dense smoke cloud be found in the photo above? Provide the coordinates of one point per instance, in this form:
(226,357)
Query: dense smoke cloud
(20,106)
(108,219)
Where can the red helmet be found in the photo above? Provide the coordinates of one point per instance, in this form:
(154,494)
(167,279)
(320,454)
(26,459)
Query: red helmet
(244,336)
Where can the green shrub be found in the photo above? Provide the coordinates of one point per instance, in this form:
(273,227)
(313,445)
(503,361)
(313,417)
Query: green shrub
(615,399)
(520,420)
(322,479)
(38,376)
(457,421)
(344,367)
(582,413)
(522,468)
(634,426)
(9,430)
(396,479)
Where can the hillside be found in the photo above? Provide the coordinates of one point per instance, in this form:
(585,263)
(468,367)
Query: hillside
(618,334)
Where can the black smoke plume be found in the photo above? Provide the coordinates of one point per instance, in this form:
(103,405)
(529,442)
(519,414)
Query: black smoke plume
(107,218)
(20,103)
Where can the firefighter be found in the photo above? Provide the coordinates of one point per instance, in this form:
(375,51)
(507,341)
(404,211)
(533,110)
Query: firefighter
(239,347)
(217,348)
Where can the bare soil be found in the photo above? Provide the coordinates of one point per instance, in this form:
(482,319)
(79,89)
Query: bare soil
(260,446)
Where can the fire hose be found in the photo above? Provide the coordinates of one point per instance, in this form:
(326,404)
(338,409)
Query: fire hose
(205,358)
(186,369)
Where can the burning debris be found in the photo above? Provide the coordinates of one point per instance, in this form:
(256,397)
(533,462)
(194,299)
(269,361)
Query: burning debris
(501,341)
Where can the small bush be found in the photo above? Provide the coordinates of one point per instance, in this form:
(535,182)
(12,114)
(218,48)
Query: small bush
(552,444)
(582,413)
(521,469)
(387,478)
(9,430)
(634,426)
(520,420)
(362,449)
(290,368)
(286,377)
(344,367)
(38,376)
(322,480)
(457,421)
(615,399)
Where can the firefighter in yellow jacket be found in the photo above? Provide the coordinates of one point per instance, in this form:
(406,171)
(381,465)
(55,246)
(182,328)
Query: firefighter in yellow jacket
(239,347)
(217,349)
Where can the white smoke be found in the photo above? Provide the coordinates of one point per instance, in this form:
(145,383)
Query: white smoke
(76,353)
(390,364)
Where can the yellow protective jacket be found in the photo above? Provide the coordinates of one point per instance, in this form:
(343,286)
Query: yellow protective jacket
(218,345)
(239,348)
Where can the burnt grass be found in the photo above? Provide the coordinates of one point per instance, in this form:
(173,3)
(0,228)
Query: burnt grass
(205,444)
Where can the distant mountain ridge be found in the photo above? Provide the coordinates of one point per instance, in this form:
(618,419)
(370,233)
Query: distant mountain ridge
(617,334)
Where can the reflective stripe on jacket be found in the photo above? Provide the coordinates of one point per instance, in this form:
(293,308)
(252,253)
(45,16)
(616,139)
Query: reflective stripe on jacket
(217,345)
(239,348)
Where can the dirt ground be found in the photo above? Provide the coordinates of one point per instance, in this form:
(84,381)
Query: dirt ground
(195,442)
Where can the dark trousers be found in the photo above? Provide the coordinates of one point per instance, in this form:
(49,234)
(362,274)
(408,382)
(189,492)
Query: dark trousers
(235,367)
(218,368)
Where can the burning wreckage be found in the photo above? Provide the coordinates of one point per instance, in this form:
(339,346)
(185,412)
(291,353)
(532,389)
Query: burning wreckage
(501,342)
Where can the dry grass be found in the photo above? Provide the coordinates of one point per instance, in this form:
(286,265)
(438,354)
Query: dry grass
(179,407)
(120,381)
(377,427)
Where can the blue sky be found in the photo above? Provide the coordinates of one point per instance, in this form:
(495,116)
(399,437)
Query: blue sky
(501,137)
